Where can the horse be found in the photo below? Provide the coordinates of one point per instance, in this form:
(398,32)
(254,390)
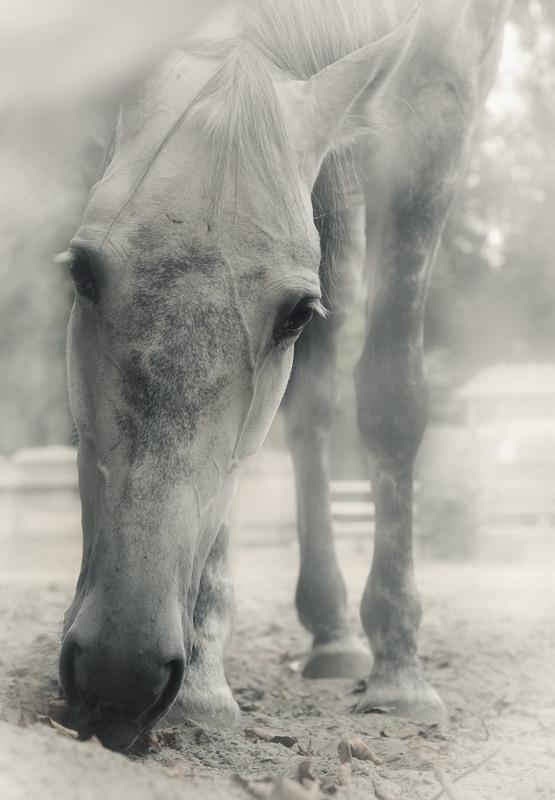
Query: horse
(250,181)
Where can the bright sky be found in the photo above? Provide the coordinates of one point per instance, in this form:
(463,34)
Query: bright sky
(505,97)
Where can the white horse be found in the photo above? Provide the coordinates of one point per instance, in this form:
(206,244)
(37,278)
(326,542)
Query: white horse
(247,184)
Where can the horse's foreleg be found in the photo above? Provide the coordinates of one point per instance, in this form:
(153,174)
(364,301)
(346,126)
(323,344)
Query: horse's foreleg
(309,406)
(392,414)
(411,197)
(205,695)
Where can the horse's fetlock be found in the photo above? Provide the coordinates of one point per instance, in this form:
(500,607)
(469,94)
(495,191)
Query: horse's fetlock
(322,606)
(391,619)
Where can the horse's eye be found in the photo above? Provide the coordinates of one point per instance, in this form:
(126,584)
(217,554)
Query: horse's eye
(297,320)
(83,279)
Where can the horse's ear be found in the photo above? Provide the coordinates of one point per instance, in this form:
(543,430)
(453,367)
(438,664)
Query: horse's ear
(342,101)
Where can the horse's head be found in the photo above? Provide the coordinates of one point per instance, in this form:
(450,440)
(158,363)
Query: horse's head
(195,269)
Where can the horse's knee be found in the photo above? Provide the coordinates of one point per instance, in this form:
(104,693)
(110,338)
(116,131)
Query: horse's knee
(392,404)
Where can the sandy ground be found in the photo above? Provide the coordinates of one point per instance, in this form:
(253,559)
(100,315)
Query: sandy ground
(487,643)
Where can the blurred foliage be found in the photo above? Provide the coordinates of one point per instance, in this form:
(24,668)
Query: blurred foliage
(492,296)
(33,314)
(447,521)
(35,303)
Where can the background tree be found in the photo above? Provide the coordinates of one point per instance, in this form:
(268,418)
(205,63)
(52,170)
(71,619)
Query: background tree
(492,297)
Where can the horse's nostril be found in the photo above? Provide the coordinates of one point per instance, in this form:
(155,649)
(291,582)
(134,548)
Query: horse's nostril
(176,669)
(69,655)
(79,670)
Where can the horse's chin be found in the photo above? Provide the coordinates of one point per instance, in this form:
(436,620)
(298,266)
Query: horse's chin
(114,730)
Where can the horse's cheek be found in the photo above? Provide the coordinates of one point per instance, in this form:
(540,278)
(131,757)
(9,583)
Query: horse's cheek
(270,388)
(83,370)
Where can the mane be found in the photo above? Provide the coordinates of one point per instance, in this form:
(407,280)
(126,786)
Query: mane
(301,37)
(239,111)
(239,107)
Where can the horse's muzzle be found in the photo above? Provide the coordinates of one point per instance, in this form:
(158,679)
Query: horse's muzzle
(115,695)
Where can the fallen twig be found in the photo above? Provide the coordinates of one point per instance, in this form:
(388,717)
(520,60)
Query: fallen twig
(469,771)
(446,784)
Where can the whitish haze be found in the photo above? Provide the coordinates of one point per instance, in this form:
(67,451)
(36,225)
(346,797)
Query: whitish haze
(63,66)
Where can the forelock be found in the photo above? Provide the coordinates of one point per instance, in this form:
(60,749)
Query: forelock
(241,116)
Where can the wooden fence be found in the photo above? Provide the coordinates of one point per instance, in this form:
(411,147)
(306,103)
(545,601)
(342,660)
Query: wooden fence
(39,490)
(352,507)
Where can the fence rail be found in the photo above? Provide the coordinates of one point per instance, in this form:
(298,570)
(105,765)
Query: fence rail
(41,480)
(526,506)
(352,508)
(39,490)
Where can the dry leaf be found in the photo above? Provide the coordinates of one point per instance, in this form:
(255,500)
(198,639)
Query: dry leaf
(405,733)
(355,748)
(328,785)
(167,736)
(304,772)
(380,710)
(58,710)
(249,708)
(344,751)
(268,735)
(146,742)
(284,739)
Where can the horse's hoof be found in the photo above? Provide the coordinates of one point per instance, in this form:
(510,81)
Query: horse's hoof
(341,658)
(403,692)
(215,707)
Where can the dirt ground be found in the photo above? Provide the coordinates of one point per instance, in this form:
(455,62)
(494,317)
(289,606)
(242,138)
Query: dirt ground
(487,643)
